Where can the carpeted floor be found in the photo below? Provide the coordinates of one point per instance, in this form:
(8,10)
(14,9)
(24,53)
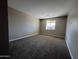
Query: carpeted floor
(39,47)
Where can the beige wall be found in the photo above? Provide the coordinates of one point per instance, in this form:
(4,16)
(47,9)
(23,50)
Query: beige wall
(72,30)
(59,29)
(21,24)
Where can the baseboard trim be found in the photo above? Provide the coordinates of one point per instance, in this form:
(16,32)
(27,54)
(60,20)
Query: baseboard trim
(69,51)
(58,36)
(23,37)
(62,37)
(7,56)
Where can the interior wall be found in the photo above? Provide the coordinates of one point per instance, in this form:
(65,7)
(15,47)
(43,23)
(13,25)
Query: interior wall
(72,30)
(59,28)
(21,24)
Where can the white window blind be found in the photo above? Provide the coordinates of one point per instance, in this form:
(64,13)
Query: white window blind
(50,24)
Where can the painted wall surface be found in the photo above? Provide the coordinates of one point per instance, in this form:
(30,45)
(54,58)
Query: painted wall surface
(59,28)
(21,24)
(72,31)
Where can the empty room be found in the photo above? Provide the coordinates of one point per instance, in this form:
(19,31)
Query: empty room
(42,29)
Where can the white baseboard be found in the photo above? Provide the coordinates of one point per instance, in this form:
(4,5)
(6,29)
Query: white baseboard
(56,36)
(23,37)
(2,56)
(59,36)
(69,51)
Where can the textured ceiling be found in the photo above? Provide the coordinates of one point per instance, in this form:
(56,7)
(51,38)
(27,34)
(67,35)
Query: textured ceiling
(42,8)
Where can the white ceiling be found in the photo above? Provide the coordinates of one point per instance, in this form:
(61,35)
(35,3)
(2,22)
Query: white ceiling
(42,8)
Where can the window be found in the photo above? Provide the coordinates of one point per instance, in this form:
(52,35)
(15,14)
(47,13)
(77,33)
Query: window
(50,24)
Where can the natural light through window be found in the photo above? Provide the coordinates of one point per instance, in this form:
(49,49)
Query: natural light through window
(50,24)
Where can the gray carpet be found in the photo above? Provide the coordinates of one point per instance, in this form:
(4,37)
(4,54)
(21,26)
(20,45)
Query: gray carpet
(39,47)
